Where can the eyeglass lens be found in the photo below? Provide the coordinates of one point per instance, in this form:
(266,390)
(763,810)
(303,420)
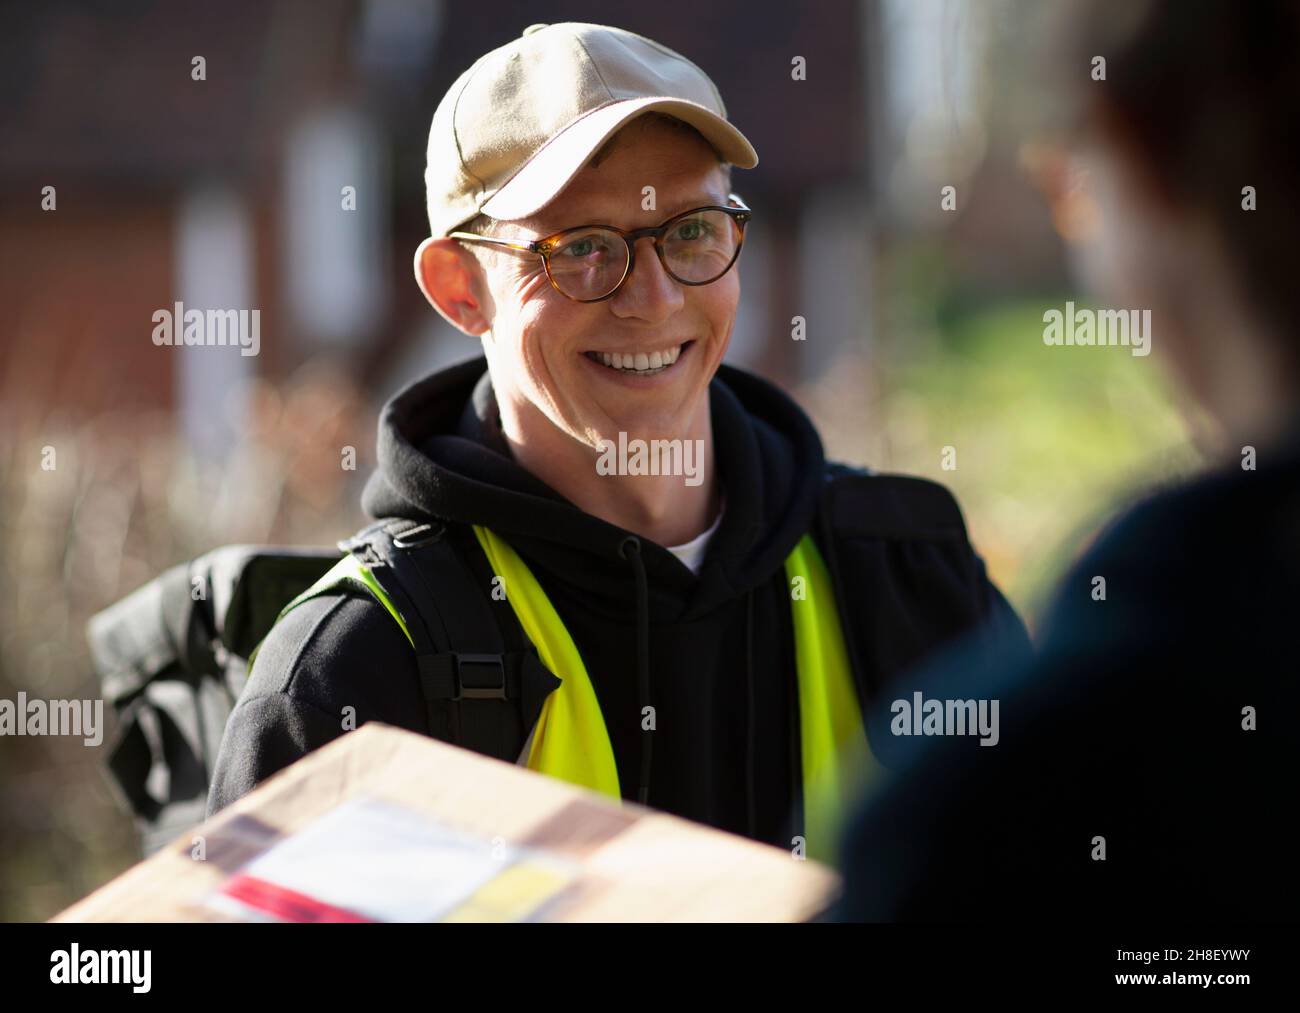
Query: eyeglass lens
(698,248)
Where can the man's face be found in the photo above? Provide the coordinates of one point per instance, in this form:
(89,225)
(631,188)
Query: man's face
(544,349)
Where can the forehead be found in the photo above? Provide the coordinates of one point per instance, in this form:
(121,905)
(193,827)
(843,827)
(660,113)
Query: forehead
(679,164)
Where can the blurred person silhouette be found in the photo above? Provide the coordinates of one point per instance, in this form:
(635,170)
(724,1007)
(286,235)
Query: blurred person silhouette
(1146,758)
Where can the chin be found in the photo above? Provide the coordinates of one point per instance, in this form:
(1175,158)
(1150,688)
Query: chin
(666,421)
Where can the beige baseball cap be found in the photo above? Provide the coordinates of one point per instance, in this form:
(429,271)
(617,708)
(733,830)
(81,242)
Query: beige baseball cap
(517,126)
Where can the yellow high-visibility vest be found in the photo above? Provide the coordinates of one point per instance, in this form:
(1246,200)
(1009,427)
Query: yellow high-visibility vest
(570,740)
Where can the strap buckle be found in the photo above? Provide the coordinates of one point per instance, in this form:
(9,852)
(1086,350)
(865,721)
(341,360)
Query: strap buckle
(479,677)
(420,534)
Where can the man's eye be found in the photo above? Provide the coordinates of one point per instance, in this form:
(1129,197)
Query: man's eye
(582,247)
(692,230)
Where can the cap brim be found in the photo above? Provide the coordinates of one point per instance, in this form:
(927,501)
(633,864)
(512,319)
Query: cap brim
(542,177)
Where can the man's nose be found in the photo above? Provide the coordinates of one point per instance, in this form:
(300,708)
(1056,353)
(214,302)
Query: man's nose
(649,291)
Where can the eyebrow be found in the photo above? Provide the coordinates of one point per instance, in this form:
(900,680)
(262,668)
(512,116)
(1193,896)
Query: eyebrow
(698,201)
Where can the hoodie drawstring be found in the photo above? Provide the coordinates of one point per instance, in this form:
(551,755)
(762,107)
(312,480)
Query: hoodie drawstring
(630,548)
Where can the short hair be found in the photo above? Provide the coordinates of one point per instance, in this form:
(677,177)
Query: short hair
(1206,90)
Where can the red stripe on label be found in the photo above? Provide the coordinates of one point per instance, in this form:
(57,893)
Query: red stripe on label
(285,904)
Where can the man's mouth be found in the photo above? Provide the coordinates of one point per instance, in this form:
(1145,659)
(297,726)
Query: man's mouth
(640,363)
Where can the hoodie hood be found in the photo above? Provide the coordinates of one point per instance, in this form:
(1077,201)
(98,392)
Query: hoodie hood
(442,456)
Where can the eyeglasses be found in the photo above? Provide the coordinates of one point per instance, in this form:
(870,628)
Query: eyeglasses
(590,263)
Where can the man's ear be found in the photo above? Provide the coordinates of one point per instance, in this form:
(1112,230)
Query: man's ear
(451,278)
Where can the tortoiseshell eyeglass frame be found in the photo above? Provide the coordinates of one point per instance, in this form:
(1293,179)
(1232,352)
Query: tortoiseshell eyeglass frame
(740,213)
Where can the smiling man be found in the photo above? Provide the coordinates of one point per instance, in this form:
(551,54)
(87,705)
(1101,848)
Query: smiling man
(576,358)
(698,628)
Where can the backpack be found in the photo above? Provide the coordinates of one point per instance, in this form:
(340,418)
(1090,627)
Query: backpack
(173,656)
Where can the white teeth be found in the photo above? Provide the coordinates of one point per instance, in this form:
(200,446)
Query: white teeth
(640,362)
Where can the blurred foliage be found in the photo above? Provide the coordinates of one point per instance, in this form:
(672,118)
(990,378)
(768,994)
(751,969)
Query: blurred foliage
(124,501)
(1049,440)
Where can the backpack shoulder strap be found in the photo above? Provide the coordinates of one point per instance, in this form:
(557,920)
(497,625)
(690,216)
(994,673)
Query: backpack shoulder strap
(482,682)
(824,533)
(858,502)
(171,662)
(865,503)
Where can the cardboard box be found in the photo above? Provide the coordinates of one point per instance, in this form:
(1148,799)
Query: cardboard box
(387,825)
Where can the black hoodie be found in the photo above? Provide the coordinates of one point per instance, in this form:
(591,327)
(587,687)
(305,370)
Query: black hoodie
(713,653)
